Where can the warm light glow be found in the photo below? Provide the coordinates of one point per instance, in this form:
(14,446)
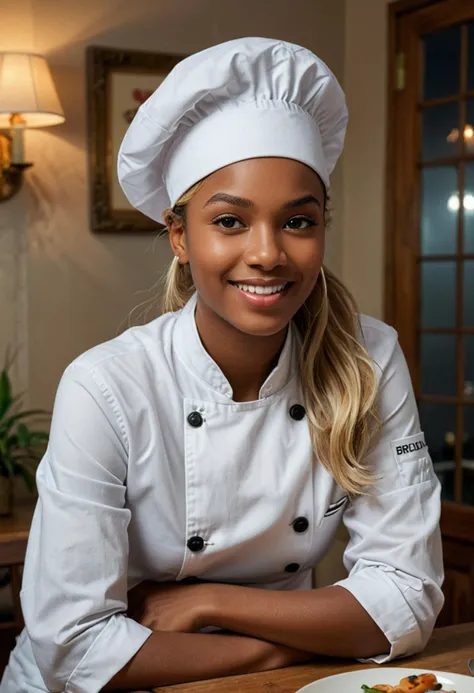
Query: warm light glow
(27,88)
(454,134)
(453,202)
(469,202)
(450,438)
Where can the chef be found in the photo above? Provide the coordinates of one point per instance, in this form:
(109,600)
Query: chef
(199,466)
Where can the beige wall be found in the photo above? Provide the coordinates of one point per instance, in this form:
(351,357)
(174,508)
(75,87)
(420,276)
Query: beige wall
(365,82)
(17,15)
(63,289)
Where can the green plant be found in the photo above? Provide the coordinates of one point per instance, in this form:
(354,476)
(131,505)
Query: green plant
(21,448)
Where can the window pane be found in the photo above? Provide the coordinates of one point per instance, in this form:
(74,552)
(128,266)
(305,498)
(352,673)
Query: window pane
(439,217)
(471,57)
(469,209)
(438,422)
(468,457)
(438,294)
(441,132)
(469,293)
(438,349)
(442,63)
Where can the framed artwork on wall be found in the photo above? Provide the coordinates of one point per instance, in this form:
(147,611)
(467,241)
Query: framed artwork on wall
(118,82)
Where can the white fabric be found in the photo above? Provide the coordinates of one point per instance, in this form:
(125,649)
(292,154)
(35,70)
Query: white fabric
(126,481)
(247,98)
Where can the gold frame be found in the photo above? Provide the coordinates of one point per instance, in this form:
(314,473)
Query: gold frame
(101,63)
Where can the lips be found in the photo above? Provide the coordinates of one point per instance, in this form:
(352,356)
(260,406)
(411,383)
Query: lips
(262,294)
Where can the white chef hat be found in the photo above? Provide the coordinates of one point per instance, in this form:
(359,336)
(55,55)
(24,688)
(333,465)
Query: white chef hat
(243,99)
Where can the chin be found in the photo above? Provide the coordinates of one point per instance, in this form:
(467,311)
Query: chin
(261,326)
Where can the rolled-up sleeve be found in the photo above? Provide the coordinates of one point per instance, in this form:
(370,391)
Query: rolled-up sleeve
(394,556)
(74,594)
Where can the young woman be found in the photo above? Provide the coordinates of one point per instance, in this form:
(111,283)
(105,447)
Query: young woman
(199,466)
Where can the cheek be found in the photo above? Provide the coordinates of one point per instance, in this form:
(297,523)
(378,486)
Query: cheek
(309,257)
(211,256)
(320,249)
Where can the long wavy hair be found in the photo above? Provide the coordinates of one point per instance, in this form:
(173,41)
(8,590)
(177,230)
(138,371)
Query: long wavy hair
(337,374)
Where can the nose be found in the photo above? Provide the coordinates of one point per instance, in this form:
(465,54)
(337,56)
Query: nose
(264,250)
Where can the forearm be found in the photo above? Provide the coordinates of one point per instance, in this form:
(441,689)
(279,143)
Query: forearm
(327,621)
(170,658)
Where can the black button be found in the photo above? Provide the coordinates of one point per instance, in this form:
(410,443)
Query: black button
(292,568)
(196,544)
(300,525)
(297,412)
(195,419)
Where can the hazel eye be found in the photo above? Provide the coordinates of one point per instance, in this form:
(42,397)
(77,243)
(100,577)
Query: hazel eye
(300,223)
(228,222)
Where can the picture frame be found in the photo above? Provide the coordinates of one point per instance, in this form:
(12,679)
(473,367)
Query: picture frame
(118,81)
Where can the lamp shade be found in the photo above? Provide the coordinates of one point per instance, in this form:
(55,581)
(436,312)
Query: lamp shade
(27,88)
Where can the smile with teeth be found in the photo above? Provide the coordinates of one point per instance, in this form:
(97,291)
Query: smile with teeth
(263,290)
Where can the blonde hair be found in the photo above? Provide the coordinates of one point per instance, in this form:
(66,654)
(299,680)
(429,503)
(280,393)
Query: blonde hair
(337,374)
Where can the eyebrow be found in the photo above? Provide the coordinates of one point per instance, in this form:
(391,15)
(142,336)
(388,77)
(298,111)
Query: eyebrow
(306,200)
(230,199)
(243,202)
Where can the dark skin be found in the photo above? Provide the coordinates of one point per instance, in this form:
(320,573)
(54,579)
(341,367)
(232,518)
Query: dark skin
(260,220)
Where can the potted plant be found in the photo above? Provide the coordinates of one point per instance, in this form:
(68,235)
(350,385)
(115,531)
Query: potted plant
(21,448)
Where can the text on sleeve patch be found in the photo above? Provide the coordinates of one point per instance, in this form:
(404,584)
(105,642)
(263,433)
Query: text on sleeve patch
(412,459)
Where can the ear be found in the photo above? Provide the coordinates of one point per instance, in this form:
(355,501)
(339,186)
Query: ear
(177,238)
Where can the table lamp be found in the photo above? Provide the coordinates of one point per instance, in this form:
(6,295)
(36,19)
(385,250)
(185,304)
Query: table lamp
(28,99)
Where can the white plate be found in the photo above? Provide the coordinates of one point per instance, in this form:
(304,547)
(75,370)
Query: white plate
(352,681)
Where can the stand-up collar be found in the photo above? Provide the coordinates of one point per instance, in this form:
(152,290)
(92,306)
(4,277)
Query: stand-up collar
(191,352)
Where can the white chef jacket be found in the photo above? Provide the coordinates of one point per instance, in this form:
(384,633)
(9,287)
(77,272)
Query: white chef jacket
(129,478)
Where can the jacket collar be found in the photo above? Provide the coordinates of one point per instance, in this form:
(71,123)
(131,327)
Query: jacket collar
(191,352)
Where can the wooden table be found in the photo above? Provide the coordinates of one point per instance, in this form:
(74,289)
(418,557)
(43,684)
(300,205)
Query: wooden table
(14,532)
(449,650)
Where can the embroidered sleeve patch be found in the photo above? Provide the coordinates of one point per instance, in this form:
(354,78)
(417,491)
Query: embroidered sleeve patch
(412,458)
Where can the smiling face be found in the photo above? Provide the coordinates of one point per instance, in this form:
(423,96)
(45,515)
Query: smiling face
(254,240)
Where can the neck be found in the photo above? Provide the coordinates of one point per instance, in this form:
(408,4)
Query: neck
(246,360)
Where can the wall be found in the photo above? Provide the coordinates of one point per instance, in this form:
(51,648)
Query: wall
(17,15)
(365,82)
(81,287)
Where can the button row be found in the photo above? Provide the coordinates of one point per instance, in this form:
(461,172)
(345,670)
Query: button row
(297,412)
(300,525)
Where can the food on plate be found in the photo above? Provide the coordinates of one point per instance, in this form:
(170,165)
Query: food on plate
(423,683)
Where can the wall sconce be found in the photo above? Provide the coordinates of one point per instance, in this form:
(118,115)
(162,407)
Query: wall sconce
(28,99)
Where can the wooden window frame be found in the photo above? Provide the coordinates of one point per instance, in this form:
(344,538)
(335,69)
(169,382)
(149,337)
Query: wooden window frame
(399,242)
